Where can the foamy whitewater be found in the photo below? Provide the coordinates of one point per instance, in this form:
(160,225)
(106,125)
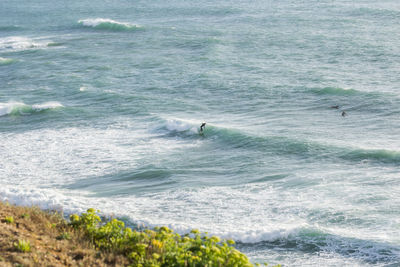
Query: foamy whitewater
(101,103)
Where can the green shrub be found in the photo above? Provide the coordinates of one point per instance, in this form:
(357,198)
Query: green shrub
(25,216)
(158,247)
(9,219)
(23,246)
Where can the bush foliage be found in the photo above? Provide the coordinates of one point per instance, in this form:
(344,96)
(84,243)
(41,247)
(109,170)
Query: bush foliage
(158,247)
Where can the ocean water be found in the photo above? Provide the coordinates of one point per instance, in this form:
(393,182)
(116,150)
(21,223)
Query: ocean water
(100,104)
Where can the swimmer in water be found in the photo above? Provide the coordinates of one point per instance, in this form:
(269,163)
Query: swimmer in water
(202,126)
(344,113)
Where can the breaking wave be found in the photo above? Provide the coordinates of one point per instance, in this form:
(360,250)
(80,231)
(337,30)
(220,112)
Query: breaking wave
(19,108)
(108,24)
(6,61)
(20,43)
(279,145)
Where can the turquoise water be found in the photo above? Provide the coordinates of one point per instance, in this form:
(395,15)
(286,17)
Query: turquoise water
(100,105)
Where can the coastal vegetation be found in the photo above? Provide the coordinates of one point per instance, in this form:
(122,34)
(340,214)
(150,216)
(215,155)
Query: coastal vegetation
(34,237)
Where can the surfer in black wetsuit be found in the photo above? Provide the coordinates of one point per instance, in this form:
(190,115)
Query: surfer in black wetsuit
(202,126)
(344,113)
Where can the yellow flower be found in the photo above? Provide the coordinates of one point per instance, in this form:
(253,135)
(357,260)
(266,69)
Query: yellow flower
(74,218)
(195,231)
(156,243)
(215,239)
(195,258)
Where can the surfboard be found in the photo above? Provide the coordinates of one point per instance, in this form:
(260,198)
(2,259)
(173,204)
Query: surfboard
(201,132)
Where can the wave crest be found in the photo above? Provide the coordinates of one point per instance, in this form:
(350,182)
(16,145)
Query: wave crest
(19,108)
(108,24)
(380,155)
(335,91)
(279,145)
(20,43)
(6,61)
(178,127)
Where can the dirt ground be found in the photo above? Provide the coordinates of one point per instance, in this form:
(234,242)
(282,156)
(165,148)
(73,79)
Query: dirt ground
(52,241)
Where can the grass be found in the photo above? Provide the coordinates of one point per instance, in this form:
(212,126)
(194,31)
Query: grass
(23,246)
(50,239)
(64,236)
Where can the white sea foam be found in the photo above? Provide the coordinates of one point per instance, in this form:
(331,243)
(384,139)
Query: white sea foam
(36,164)
(47,105)
(221,210)
(45,199)
(177,212)
(180,125)
(135,207)
(20,43)
(46,157)
(299,258)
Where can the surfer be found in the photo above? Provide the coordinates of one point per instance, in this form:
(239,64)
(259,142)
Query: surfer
(335,106)
(344,113)
(202,126)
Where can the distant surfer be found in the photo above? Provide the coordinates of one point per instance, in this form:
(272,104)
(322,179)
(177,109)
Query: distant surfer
(202,126)
(335,106)
(344,114)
